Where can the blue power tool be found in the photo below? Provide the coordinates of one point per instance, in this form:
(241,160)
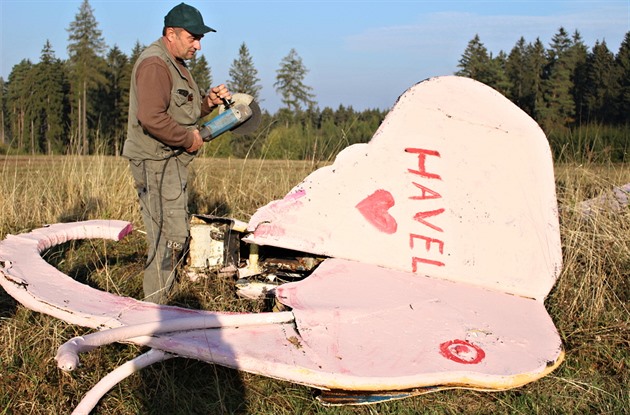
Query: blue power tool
(240,115)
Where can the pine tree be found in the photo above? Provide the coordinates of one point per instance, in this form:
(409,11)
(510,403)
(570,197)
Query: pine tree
(290,83)
(113,102)
(622,101)
(476,62)
(515,69)
(559,110)
(135,53)
(50,110)
(577,54)
(602,83)
(535,66)
(200,72)
(499,79)
(3,94)
(85,50)
(244,79)
(243,75)
(19,94)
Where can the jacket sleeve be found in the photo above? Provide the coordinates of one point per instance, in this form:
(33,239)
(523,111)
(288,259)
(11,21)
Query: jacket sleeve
(153,90)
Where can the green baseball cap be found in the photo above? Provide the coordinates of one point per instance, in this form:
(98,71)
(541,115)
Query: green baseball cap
(186,17)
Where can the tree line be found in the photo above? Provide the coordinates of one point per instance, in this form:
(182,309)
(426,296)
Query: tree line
(79,106)
(580,97)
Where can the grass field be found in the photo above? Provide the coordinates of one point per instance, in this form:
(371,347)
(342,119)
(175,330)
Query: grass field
(589,302)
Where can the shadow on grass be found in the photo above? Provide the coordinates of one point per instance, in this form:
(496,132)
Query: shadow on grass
(7,304)
(188,387)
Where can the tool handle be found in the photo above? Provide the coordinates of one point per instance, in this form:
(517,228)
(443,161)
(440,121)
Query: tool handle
(227,102)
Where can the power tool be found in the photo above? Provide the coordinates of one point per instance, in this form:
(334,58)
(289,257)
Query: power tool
(240,114)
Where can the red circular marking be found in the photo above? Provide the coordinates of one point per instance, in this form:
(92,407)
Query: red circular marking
(461,351)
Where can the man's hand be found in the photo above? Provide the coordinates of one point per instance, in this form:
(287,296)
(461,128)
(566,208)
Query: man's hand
(197,142)
(217,94)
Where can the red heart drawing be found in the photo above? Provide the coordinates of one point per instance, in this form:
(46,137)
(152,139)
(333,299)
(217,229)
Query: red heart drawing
(375,208)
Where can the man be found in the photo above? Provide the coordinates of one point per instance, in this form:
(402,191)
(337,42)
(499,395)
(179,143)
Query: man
(165,105)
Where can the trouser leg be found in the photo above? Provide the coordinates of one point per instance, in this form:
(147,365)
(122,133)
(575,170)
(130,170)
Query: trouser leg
(162,192)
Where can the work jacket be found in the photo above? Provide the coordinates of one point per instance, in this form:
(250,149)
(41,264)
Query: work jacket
(184,108)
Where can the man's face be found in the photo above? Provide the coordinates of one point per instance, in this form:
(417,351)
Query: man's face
(183,44)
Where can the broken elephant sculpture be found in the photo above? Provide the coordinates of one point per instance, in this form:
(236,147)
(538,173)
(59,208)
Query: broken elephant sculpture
(441,240)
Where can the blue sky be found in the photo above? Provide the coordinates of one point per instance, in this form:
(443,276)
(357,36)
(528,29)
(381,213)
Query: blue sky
(362,53)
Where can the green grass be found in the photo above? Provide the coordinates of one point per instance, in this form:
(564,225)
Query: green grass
(589,302)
